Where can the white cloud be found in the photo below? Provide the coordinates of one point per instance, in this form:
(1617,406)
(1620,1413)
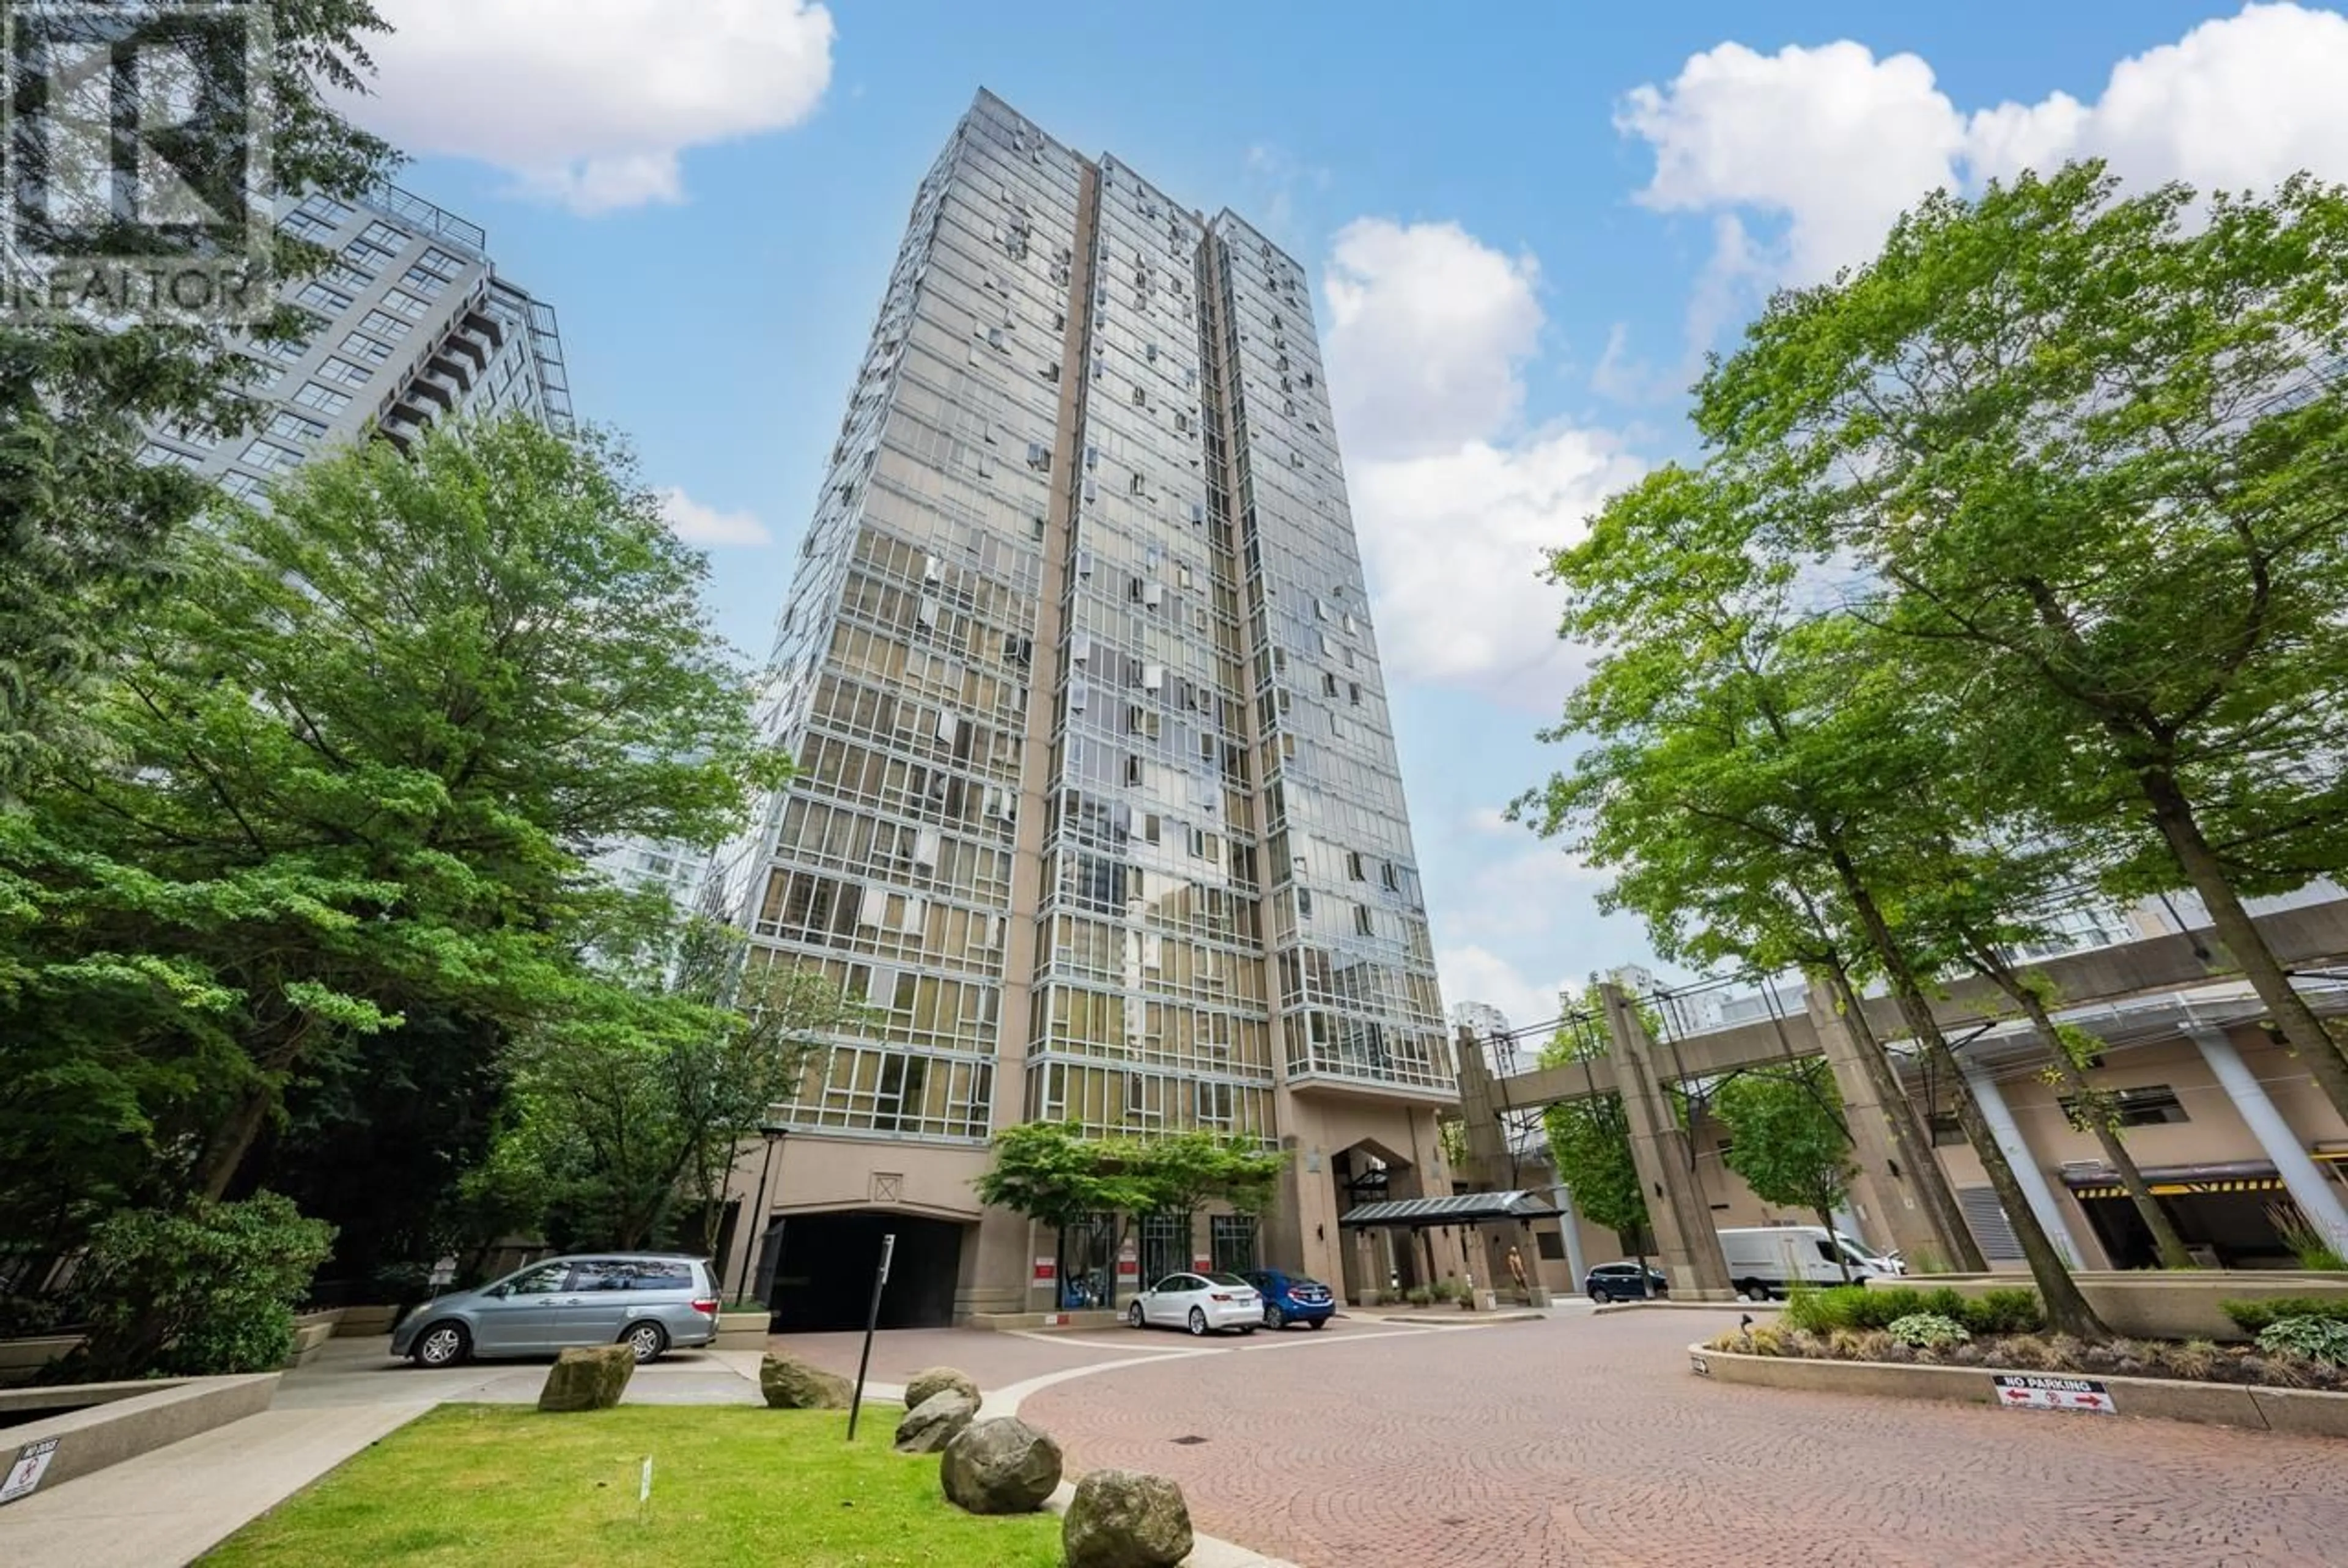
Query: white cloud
(696,524)
(1832,143)
(591,102)
(1473,974)
(1455,543)
(1454,506)
(1427,328)
(2242,101)
(1833,138)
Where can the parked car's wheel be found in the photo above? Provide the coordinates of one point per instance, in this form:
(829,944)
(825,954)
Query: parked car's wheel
(442,1345)
(1601,1295)
(645,1340)
(1271,1318)
(1133,1318)
(1198,1322)
(1246,1329)
(1317,1322)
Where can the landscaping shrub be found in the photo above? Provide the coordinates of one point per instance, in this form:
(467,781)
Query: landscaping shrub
(1859,1306)
(204,1290)
(2254,1317)
(2323,1339)
(1928,1330)
(2005,1312)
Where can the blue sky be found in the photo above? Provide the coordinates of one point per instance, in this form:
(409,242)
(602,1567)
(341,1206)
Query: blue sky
(1525,230)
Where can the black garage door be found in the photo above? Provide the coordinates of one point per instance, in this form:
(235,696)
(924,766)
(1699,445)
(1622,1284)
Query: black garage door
(823,1279)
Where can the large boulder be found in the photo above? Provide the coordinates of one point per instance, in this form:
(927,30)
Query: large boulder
(588,1377)
(1123,1519)
(1002,1466)
(937,1380)
(790,1384)
(936,1421)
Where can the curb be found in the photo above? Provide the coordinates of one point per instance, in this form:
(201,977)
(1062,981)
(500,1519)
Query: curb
(2312,1412)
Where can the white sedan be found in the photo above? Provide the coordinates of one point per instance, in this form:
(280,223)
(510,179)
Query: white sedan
(1197,1302)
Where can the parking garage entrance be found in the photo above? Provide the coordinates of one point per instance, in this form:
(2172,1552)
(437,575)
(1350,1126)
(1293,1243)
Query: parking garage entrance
(823,1266)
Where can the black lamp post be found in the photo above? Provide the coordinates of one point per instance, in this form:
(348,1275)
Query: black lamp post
(756,1237)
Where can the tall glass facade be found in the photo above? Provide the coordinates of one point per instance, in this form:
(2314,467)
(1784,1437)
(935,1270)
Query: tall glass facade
(1098,804)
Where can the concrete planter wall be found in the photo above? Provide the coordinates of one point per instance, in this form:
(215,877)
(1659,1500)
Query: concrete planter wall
(111,1422)
(20,1360)
(2143,1304)
(2306,1411)
(311,1332)
(742,1330)
(361,1322)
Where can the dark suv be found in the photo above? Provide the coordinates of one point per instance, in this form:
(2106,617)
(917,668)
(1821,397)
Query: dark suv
(1620,1282)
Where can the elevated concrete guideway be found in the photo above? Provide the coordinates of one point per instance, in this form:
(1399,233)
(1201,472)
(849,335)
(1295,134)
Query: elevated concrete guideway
(1891,1145)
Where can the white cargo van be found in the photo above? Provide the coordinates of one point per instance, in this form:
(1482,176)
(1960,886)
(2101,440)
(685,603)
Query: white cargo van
(1765,1259)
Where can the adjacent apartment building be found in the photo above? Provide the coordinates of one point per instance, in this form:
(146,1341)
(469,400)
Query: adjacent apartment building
(1098,804)
(415,325)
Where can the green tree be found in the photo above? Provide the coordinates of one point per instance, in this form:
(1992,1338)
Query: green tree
(633,1107)
(2089,450)
(85,527)
(1050,1172)
(1787,1139)
(1720,693)
(347,783)
(204,1290)
(1181,1172)
(1728,753)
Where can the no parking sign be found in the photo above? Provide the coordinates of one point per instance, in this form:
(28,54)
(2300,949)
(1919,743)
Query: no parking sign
(2022,1393)
(32,1463)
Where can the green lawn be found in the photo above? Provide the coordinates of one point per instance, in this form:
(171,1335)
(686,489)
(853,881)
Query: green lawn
(472,1485)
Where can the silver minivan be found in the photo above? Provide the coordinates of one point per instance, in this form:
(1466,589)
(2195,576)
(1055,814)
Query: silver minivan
(651,1302)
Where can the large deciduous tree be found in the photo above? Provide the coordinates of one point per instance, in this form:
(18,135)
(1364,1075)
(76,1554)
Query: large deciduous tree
(2091,448)
(345,784)
(1719,697)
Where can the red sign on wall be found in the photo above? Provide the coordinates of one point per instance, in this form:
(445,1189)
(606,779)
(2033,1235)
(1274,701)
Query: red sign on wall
(1126,1265)
(1045,1268)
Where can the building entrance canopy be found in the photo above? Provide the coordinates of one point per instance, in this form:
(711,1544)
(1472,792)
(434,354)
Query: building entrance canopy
(1460,1209)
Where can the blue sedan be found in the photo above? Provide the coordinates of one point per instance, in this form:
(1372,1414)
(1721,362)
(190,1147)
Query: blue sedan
(1293,1298)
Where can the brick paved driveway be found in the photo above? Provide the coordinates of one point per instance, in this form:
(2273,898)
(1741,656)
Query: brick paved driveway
(1586,1442)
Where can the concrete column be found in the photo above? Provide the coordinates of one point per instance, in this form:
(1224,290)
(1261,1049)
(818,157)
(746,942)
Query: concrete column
(1676,1209)
(1569,1224)
(2317,1198)
(1488,1145)
(2026,1168)
(1883,1144)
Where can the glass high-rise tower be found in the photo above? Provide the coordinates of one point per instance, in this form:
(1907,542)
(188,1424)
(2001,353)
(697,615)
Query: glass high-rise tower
(1098,804)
